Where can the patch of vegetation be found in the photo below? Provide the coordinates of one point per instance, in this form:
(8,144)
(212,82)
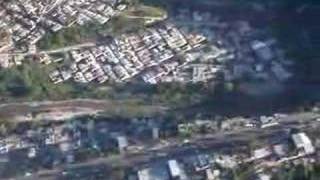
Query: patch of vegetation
(73,35)
(30,82)
(178,95)
(147,11)
(122,24)
(92,32)
(162,4)
(6,126)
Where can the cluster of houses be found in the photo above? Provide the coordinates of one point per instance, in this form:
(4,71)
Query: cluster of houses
(290,148)
(212,165)
(228,124)
(161,53)
(238,51)
(196,165)
(53,143)
(298,150)
(280,153)
(201,70)
(26,22)
(148,55)
(29,20)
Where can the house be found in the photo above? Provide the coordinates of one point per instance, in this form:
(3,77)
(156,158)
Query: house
(122,143)
(266,122)
(174,168)
(70,158)
(212,174)
(202,162)
(154,172)
(263,176)
(175,171)
(303,143)
(262,50)
(280,150)
(261,153)
(155,132)
(280,72)
(44,58)
(32,152)
(226,161)
(144,174)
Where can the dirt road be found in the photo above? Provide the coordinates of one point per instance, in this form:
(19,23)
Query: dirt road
(60,110)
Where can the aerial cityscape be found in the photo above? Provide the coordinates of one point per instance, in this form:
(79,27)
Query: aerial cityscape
(159,90)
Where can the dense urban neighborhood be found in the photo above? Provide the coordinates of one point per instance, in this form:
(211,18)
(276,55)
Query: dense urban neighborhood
(159,90)
(161,53)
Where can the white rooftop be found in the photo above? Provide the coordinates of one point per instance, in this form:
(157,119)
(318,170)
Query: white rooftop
(301,140)
(174,168)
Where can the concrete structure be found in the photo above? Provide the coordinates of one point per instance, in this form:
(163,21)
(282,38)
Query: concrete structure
(175,170)
(303,143)
(157,171)
(122,143)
